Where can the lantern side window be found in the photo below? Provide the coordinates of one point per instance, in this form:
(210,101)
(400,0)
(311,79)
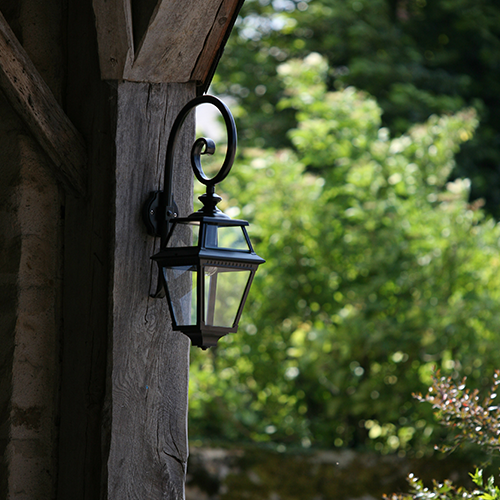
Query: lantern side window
(224,291)
(184,234)
(181,288)
(227,237)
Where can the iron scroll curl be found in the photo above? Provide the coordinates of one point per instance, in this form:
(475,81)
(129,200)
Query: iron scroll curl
(160,207)
(202,146)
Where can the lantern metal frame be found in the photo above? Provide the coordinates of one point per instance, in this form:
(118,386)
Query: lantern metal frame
(160,217)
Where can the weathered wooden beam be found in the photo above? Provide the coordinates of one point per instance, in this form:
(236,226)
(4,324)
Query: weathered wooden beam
(115,37)
(31,97)
(124,376)
(149,369)
(174,40)
(215,42)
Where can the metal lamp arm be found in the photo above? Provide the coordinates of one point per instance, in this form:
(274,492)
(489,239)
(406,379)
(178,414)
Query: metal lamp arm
(160,206)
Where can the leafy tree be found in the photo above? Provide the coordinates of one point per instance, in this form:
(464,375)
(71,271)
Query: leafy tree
(416,57)
(378,269)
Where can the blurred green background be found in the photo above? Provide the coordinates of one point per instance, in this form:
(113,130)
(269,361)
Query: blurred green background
(368,167)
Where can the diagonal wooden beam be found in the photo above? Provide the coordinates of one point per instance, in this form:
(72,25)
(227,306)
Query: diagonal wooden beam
(173,40)
(31,97)
(115,37)
(215,42)
(162,41)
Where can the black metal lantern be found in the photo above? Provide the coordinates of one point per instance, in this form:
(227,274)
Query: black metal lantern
(206,262)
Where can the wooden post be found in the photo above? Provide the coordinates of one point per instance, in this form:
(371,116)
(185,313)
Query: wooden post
(75,272)
(125,373)
(149,381)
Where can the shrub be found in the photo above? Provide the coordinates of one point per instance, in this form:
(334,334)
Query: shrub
(469,418)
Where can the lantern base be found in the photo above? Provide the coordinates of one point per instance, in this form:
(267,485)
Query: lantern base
(205,339)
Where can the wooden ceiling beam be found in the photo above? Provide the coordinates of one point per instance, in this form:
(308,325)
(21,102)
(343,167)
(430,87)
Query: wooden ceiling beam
(173,41)
(215,42)
(115,37)
(182,42)
(33,100)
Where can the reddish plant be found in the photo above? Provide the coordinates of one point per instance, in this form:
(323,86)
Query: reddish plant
(470,418)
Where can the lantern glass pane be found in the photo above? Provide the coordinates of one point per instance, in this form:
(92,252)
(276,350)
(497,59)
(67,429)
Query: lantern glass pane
(184,235)
(181,283)
(230,237)
(224,290)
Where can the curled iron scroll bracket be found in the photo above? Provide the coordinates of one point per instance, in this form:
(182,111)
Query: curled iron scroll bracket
(160,207)
(203,145)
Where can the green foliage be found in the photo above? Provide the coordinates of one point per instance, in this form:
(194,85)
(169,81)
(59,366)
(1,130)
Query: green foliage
(416,57)
(470,420)
(490,492)
(447,491)
(378,270)
(462,412)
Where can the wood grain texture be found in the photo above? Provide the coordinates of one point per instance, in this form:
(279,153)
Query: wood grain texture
(118,439)
(176,41)
(115,36)
(34,102)
(149,381)
(173,41)
(215,42)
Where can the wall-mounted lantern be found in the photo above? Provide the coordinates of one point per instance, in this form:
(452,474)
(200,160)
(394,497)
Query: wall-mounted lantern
(206,262)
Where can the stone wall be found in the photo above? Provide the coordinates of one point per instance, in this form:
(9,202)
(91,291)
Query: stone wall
(237,474)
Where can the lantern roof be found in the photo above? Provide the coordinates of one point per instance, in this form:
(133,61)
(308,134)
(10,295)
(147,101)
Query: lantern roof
(176,252)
